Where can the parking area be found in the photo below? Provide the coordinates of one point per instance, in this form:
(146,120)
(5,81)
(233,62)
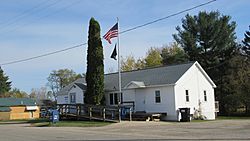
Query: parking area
(209,130)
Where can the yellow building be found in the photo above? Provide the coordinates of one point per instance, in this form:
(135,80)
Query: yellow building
(18,108)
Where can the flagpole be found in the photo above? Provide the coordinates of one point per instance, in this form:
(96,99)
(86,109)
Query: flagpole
(119,67)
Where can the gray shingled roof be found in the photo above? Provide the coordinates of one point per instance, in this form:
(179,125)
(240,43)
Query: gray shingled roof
(81,85)
(67,88)
(151,76)
(5,109)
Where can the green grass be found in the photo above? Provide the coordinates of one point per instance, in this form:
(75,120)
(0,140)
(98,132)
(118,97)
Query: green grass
(23,121)
(71,124)
(81,124)
(199,120)
(232,117)
(38,120)
(45,122)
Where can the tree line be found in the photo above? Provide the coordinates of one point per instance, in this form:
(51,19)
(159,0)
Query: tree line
(155,56)
(57,79)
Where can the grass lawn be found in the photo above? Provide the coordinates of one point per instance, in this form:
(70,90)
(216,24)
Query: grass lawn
(23,121)
(199,120)
(71,124)
(66,123)
(231,117)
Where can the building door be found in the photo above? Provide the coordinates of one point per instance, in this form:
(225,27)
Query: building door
(140,101)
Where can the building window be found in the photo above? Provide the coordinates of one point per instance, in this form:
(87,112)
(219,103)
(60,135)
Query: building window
(205,96)
(113,98)
(66,99)
(73,98)
(157,97)
(187,96)
(116,98)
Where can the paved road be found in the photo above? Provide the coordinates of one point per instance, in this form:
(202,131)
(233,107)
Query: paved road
(211,130)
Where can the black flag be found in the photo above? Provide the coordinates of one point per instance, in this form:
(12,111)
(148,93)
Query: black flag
(114,53)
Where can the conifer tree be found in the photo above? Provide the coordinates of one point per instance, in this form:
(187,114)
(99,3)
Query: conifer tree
(5,85)
(95,66)
(210,39)
(246,43)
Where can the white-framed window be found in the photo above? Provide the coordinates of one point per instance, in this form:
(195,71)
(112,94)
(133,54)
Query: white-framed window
(187,95)
(66,99)
(205,95)
(72,97)
(113,98)
(157,96)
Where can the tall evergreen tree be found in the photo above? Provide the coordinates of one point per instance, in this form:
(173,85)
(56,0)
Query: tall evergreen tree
(237,84)
(95,66)
(246,43)
(209,38)
(5,85)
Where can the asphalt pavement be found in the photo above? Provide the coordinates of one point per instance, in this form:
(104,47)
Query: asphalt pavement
(132,131)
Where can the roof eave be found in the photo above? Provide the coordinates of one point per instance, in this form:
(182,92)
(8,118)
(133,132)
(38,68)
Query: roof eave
(205,74)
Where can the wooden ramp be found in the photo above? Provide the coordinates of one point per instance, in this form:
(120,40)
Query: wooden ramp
(93,112)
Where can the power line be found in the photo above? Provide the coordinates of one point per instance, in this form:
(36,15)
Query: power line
(43,55)
(160,19)
(131,29)
(39,18)
(14,20)
(24,12)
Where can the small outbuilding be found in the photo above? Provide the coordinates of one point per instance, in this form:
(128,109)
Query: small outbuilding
(18,108)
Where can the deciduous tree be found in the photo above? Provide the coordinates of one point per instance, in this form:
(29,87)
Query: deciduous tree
(153,57)
(60,78)
(39,94)
(173,54)
(17,93)
(130,63)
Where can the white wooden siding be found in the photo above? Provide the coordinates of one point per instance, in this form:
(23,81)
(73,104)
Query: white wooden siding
(195,82)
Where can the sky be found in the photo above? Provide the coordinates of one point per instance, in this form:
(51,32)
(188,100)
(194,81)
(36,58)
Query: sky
(33,27)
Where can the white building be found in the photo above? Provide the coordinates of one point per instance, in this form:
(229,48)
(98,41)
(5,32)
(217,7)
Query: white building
(155,90)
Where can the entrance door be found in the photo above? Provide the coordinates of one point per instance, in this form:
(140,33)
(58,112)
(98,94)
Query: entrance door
(140,101)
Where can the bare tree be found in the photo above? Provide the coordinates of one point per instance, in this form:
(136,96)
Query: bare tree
(59,79)
(39,93)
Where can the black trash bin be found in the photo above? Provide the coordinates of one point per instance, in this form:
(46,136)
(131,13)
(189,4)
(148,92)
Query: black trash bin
(185,114)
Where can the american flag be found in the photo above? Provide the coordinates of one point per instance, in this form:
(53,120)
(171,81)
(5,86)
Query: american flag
(112,33)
